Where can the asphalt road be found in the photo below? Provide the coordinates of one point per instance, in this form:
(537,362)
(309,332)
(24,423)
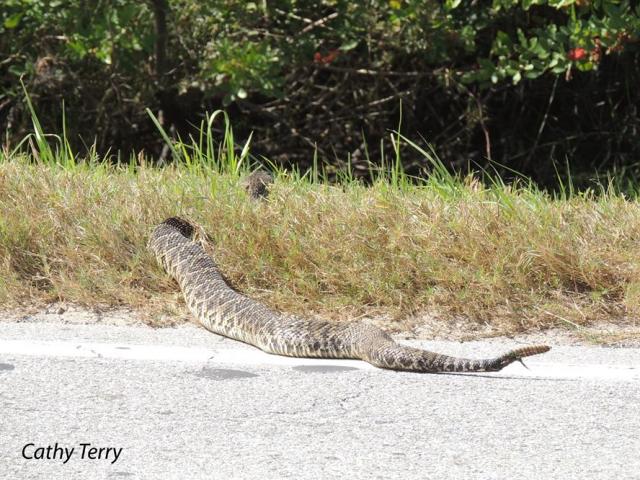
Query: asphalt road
(183,403)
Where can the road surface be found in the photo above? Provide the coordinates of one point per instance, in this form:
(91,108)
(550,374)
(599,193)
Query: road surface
(123,402)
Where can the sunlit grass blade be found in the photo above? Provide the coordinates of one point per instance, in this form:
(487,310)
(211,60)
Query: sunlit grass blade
(163,133)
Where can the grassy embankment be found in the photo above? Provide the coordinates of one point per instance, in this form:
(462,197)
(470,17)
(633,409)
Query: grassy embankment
(513,257)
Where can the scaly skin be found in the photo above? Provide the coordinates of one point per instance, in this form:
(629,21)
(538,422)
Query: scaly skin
(224,311)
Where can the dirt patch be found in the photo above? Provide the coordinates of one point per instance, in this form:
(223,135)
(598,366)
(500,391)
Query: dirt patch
(74,315)
(417,327)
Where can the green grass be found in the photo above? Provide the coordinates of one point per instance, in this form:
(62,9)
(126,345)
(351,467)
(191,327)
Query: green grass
(513,257)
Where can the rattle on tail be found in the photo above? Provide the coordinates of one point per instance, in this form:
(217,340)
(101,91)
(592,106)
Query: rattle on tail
(224,311)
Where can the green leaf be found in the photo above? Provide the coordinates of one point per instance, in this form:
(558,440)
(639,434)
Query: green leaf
(522,38)
(13,21)
(517,77)
(17,70)
(345,47)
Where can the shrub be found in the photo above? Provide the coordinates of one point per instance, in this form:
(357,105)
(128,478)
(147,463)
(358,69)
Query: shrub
(524,83)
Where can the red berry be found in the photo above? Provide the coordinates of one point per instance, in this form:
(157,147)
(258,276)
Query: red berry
(576,53)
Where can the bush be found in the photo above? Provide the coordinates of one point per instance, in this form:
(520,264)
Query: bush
(524,83)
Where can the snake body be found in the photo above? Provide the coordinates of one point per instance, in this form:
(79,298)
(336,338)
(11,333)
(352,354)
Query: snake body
(224,311)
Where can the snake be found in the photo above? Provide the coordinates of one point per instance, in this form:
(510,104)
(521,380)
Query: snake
(224,311)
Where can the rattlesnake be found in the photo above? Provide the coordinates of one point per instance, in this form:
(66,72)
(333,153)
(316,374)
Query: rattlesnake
(224,311)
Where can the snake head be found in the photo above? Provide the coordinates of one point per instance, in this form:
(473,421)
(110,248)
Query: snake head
(183,226)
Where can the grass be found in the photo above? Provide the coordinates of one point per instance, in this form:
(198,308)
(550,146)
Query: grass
(513,257)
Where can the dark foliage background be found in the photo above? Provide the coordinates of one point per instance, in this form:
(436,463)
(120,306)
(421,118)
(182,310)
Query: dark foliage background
(537,87)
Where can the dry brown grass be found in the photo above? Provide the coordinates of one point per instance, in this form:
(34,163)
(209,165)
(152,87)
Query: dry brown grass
(516,259)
